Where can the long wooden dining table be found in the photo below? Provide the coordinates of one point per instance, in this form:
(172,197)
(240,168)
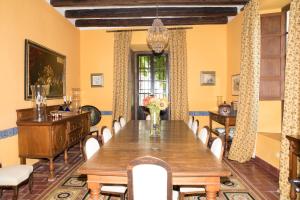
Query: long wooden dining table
(191,162)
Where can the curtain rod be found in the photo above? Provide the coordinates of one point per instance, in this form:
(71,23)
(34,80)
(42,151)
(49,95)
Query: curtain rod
(123,30)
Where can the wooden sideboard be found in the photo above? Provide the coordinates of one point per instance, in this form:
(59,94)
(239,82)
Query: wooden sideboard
(49,138)
(293,155)
(226,121)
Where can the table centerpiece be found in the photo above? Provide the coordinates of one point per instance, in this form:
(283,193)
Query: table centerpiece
(155,105)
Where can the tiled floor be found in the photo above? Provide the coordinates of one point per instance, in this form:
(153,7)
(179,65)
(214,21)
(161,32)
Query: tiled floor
(261,181)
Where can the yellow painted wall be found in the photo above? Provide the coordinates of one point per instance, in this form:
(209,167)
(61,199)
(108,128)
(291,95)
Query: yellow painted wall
(37,21)
(206,52)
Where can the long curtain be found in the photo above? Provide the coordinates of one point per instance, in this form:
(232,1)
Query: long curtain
(291,113)
(121,86)
(178,75)
(243,144)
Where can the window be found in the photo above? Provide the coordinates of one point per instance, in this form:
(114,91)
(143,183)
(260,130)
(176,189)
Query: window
(152,74)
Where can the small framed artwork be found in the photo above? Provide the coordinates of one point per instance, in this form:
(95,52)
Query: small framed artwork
(235,84)
(208,78)
(97,80)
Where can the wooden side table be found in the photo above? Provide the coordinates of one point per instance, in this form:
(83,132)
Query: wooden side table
(294,154)
(226,121)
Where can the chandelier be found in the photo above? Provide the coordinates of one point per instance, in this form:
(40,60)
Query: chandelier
(158,36)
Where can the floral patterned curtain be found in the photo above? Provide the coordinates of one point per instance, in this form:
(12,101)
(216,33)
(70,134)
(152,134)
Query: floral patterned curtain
(121,86)
(243,144)
(178,75)
(291,112)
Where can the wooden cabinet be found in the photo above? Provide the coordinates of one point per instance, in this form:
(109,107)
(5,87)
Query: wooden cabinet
(49,138)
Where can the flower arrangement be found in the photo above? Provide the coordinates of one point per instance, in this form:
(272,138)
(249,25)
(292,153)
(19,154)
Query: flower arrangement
(154,103)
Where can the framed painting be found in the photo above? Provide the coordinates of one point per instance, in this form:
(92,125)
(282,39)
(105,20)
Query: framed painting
(235,84)
(44,66)
(208,78)
(97,80)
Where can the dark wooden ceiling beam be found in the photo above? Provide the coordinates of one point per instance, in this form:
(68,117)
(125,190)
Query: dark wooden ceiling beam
(85,3)
(151,12)
(148,22)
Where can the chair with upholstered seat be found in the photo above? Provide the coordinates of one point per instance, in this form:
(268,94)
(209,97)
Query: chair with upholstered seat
(148,117)
(117,126)
(12,177)
(150,178)
(106,135)
(203,135)
(91,146)
(122,121)
(95,117)
(217,148)
(195,126)
(190,122)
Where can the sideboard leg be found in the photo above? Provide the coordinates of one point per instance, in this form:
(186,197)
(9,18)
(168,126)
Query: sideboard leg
(66,156)
(51,167)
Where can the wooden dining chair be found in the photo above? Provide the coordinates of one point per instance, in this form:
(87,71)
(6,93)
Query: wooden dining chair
(204,135)
(12,177)
(217,148)
(90,146)
(190,122)
(106,135)
(122,121)
(195,126)
(148,117)
(150,178)
(117,126)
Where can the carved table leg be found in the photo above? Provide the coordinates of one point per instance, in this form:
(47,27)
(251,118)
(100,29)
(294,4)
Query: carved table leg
(23,161)
(94,190)
(211,191)
(51,167)
(66,156)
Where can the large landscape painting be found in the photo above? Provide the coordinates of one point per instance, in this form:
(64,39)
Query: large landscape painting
(44,67)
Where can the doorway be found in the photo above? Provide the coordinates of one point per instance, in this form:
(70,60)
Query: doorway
(151,78)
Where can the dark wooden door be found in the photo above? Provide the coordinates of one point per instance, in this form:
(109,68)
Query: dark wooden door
(151,79)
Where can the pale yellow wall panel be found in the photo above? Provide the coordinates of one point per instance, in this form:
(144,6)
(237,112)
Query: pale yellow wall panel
(39,22)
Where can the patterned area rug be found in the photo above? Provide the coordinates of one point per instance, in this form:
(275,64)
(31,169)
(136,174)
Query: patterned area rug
(69,185)
(74,187)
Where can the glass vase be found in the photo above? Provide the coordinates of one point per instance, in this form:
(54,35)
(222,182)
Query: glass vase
(155,122)
(39,93)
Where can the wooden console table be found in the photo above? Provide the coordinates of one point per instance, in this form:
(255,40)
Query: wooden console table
(226,121)
(294,154)
(48,138)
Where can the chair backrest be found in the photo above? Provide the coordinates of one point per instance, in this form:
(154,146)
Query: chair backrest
(195,126)
(90,146)
(95,114)
(148,117)
(217,148)
(117,127)
(122,121)
(106,135)
(149,178)
(204,135)
(190,122)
